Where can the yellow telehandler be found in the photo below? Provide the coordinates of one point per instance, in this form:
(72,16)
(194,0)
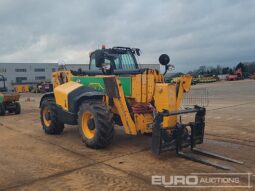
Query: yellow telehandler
(115,90)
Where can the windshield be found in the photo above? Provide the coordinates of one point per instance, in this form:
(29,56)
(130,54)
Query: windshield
(122,61)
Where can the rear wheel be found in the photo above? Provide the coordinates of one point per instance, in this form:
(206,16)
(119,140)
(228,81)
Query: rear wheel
(18,108)
(95,124)
(49,121)
(2,109)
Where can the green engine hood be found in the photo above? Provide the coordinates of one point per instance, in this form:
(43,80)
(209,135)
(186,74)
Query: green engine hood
(98,83)
(1,98)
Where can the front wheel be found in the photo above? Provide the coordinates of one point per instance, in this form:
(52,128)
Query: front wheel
(49,121)
(17,108)
(95,124)
(2,109)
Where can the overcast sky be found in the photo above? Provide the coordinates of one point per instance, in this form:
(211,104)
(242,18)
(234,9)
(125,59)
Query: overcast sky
(192,32)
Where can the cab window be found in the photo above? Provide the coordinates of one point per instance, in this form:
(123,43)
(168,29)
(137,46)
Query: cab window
(124,61)
(93,63)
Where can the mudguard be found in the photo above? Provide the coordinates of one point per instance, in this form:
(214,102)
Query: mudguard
(46,95)
(76,97)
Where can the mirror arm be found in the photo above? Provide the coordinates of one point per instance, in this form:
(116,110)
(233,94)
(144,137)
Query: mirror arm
(166,69)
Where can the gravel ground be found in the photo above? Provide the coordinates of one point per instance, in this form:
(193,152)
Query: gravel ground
(32,160)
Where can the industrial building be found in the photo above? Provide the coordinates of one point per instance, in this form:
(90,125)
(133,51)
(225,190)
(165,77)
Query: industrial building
(76,67)
(17,73)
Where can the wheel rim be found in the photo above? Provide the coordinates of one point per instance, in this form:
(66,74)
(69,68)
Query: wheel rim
(88,126)
(46,121)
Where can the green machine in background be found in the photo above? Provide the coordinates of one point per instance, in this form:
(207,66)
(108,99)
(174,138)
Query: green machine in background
(9,101)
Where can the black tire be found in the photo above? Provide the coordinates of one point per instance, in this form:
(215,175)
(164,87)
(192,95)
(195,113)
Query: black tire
(102,123)
(2,109)
(54,127)
(18,108)
(10,111)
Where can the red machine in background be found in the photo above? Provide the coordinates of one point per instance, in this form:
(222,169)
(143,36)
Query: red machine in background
(45,87)
(238,73)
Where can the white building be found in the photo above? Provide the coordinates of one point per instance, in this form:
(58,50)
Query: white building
(27,72)
(76,67)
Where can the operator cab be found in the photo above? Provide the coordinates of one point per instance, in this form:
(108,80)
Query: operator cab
(118,61)
(118,58)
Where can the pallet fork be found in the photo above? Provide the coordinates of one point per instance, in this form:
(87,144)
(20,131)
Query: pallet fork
(181,138)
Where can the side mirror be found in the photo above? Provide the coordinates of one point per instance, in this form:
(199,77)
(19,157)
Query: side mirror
(99,58)
(164,59)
